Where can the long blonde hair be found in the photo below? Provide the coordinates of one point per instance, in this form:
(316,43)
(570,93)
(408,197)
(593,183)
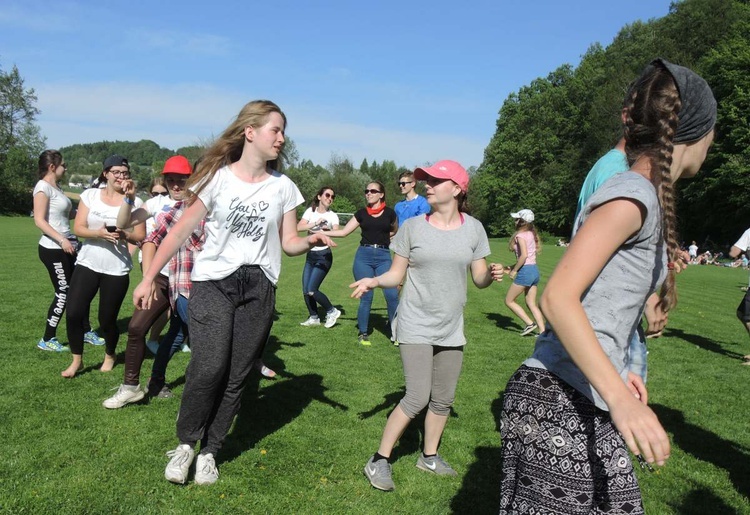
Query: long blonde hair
(228,147)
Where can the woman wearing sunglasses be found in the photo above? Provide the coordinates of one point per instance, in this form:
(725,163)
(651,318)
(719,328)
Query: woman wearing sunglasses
(379,223)
(176,171)
(104,262)
(318,217)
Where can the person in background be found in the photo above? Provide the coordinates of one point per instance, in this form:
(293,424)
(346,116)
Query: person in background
(157,188)
(318,217)
(743,310)
(249,208)
(379,223)
(567,411)
(58,247)
(693,252)
(176,171)
(413,204)
(526,245)
(104,262)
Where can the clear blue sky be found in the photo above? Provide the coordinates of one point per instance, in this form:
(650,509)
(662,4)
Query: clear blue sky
(411,81)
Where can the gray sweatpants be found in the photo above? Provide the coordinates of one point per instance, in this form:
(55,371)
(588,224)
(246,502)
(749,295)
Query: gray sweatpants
(230,320)
(431,374)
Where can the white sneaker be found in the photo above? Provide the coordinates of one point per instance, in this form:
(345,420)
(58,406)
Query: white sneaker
(331,317)
(178,466)
(126,394)
(206,472)
(185,348)
(310,322)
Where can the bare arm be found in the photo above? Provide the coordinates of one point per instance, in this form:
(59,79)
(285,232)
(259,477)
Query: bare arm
(346,231)
(41,205)
(292,243)
(600,236)
(481,273)
(390,279)
(128,217)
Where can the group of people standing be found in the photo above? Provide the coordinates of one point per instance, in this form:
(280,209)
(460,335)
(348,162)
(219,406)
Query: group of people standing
(570,413)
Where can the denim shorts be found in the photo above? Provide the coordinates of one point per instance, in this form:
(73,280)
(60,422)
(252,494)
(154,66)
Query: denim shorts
(527,276)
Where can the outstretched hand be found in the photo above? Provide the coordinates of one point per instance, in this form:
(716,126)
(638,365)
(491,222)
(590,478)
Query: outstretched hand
(641,430)
(320,239)
(363,286)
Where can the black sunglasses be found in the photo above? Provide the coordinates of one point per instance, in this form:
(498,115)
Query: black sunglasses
(372,191)
(329,195)
(402,184)
(157,193)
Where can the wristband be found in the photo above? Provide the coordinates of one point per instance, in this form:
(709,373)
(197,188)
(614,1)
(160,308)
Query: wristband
(128,201)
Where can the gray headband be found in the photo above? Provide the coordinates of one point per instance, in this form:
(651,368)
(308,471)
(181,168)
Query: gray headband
(697,115)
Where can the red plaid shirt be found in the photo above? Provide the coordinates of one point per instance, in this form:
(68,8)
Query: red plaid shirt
(181,265)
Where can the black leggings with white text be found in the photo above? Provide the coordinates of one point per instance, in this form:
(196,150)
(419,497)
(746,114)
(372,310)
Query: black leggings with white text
(60,267)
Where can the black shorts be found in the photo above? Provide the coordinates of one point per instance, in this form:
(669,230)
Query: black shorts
(743,310)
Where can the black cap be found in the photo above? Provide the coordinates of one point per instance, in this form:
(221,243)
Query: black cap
(115,160)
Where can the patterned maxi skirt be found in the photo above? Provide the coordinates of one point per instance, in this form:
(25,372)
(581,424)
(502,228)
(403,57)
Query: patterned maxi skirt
(560,453)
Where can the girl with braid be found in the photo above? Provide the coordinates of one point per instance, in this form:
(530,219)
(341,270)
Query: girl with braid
(568,418)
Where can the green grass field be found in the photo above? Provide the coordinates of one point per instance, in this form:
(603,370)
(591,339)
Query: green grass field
(300,442)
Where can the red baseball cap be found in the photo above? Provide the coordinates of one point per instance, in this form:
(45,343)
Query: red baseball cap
(178,165)
(445,169)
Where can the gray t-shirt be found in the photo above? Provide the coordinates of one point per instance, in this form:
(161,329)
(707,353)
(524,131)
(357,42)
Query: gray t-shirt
(431,308)
(614,302)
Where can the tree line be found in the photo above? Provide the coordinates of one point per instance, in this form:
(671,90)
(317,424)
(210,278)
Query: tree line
(550,132)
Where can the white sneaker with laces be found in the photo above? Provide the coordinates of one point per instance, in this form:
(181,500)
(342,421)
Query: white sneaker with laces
(331,318)
(206,472)
(126,394)
(178,466)
(310,322)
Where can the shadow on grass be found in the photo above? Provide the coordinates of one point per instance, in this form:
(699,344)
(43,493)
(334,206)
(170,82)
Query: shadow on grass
(503,322)
(265,412)
(708,447)
(389,402)
(702,501)
(701,341)
(480,489)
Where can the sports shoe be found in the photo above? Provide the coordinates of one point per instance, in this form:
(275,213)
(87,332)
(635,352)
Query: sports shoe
(153,346)
(206,472)
(158,389)
(363,339)
(310,322)
(185,347)
(379,474)
(528,329)
(394,341)
(126,394)
(435,464)
(178,466)
(93,338)
(52,345)
(331,318)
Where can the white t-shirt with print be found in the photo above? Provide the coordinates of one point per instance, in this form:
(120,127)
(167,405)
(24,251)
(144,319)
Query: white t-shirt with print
(154,206)
(101,255)
(313,216)
(242,224)
(58,213)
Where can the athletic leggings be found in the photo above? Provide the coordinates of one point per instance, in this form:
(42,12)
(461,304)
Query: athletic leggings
(60,266)
(140,323)
(83,288)
(431,374)
(230,320)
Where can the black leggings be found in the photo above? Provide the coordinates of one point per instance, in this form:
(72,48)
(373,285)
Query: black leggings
(60,266)
(83,288)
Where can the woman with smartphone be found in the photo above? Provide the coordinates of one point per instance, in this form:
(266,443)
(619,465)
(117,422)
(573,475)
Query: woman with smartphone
(104,262)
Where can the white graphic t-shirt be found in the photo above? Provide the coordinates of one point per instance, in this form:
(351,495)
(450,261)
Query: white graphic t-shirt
(154,206)
(313,216)
(100,255)
(242,224)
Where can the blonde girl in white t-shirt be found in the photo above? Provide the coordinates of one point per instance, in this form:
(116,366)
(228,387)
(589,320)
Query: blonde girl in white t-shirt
(250,218)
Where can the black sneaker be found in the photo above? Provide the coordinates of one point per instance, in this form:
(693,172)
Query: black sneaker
(528,329)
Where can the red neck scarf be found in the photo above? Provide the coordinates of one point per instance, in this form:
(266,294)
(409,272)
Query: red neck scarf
(372,211)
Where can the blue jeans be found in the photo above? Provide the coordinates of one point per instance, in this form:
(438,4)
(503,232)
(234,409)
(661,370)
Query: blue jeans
(171,343)
(317,265)
(371,262)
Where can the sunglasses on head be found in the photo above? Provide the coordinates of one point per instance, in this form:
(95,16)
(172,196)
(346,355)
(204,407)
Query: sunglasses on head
(329,195)
(402,184)
(372,191)
(157,193)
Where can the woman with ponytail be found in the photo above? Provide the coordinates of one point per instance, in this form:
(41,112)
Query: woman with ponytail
(568,417)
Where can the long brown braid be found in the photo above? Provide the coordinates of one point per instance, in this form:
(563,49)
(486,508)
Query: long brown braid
(651,114)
